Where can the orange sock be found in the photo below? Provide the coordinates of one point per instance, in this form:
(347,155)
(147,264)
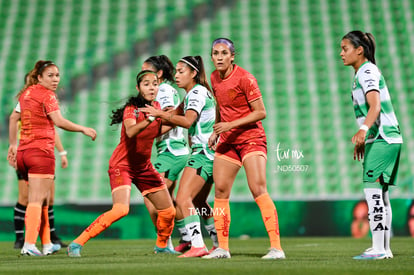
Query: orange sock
(44,232)
(32,222)
(270,219)
(118,211)
(222,220)
(165,226)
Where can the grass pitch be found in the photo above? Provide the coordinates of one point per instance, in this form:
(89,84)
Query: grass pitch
(304,256)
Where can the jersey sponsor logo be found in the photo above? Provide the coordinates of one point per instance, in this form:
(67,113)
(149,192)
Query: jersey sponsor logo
(195,92)
(371,83)
(367,71)
(158,165)
(191,162)
(193,102)
(370,173)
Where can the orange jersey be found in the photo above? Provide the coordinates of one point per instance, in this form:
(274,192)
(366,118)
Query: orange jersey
(135,152)
(233,95)
(37,128)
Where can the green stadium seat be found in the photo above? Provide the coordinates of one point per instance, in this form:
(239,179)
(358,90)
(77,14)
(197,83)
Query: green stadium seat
(307,118)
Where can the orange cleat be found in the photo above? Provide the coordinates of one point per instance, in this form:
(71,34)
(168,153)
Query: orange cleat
(182,247)
(195,252)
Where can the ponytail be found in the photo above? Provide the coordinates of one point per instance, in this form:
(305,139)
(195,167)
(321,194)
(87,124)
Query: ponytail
(371,42)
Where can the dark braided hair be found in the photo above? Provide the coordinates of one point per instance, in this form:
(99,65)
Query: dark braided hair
(137,101)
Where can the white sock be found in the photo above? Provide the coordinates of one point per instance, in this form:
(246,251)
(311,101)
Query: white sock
(170,244)
(388,220)
(29,246)
(376,217)
(192,224)
(185,237)
(211,229)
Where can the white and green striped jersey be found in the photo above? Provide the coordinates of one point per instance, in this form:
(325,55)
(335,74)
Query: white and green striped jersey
(368,78)
(173,140)
(199,99)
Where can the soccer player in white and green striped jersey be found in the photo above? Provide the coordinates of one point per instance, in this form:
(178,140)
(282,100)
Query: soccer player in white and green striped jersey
(378,140)
(196,181)
(172,150)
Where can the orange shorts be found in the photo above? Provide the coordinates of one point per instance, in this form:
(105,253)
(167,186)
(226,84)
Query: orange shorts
(146,179)
(237,153)
(36,163)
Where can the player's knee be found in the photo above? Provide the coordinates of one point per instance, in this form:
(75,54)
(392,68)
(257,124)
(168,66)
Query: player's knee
(167,214)
(183,202)
(121,209)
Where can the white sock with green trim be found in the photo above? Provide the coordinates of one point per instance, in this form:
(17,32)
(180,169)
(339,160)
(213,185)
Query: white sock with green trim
(185,237)
(376,217)
(211,229)
(192,224)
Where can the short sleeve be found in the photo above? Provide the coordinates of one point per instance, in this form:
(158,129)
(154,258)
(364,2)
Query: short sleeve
(51,103)
(130,112)
(165,96)
(249,86)
(195,101)
(369,79)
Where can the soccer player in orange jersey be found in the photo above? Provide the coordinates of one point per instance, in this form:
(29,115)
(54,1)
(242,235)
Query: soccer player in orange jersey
(131,163)
(172,150)
(34,157)
(239,140)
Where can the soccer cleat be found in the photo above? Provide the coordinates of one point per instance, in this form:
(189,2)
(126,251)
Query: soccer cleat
(274,254)
(165,250)
(59,241)
(183,246)
(388,254)
(218,253)
(18,244)
(212,249)
(195,252)
(370,254)
(50,248)
(30,250)
(74,250)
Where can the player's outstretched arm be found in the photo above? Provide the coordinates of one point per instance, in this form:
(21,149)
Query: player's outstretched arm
(68,125)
